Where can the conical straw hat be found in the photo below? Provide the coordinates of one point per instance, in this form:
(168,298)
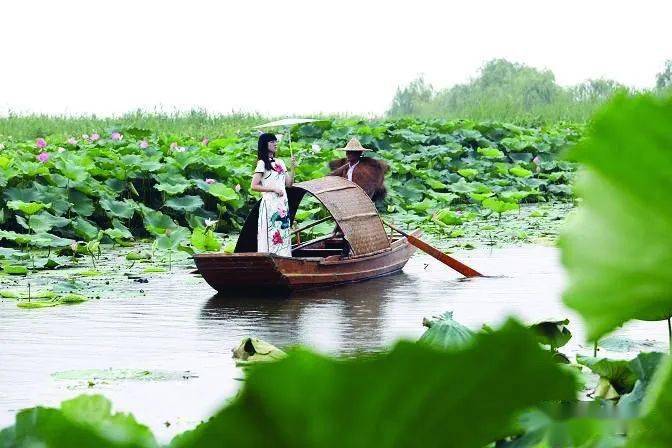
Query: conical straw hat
(354,145)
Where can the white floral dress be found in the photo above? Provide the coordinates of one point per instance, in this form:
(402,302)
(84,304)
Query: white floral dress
(273,232)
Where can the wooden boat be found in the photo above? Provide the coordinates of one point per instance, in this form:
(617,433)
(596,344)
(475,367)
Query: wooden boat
(361,251)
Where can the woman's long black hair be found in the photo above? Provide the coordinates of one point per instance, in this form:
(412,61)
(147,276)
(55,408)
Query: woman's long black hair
(262,149)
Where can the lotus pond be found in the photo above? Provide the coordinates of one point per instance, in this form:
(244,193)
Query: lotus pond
(97,236)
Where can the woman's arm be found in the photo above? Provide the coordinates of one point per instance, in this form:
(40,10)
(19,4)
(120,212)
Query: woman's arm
(289,176)
(256,185)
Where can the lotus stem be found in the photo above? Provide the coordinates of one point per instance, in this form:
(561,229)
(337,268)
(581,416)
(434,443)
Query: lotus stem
(669,335)
(595,349)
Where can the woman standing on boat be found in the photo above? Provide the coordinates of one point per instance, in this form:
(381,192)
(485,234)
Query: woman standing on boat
(270,178)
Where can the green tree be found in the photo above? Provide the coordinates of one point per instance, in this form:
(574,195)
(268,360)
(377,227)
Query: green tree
(596,90)
(664,78)
(409,100)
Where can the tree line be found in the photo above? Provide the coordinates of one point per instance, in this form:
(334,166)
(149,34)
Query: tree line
(510,91)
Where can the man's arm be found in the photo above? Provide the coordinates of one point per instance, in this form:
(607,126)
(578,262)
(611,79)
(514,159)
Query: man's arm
(340,172)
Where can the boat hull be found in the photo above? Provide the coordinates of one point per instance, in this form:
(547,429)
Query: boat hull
(266,274)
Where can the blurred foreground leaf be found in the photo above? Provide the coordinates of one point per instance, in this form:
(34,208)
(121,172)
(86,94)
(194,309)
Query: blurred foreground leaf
(618,250)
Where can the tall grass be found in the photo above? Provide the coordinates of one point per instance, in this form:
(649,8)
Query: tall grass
(195,123)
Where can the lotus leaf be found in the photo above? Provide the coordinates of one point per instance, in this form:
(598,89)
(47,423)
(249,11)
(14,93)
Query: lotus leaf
(172,238)
(553,333)
(626,215)
(274,409)
(118,209)
(28,208)
(185,203)
(222,192)
(445,333)
(447,216)
(253,350)
(498,206)
(84,229)
(205,240)
(519,171)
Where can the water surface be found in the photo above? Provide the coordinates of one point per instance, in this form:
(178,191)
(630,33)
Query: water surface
(176,323)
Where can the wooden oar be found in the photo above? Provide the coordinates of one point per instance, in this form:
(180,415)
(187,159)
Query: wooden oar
(436,253)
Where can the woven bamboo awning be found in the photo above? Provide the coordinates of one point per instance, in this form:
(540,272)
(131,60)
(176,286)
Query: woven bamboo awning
(353,210)
(350,206)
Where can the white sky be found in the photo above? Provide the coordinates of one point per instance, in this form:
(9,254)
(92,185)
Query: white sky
(300,57)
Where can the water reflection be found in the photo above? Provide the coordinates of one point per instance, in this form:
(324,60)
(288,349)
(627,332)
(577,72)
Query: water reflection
(347,318)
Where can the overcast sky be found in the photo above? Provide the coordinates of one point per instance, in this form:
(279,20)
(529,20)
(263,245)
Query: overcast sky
(301,57)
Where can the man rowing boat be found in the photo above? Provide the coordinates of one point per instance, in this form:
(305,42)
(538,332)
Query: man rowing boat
(366,172)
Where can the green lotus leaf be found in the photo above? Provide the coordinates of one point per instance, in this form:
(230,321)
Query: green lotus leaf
(5,162)
(519,171)
(618,373)
(13,236)
(644,366)
(28,208)
(498,206)
(468,173)
(87,419)
(118,209)
(84,229)
(81,203)
(47,240)
(185,203)
(553,333)
(445,333)
(205,240)
(22,194)
(150,165)
(618,248)
(491,153)
(72,170)
(172,189)
(45,221)
(157,223)
(514,196)
(172,239)
(136,256)
(423,206)
(436,185)
(223,193)
(273,396)
(13,269)
(447,216)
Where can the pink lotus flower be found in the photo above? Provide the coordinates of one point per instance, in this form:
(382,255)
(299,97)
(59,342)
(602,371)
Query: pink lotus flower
(95,137)
(72,141)
(116,136)
(277,238)
(205,141)
(210,181)
(43,157)
(143,144)
(237,188)
(40,143)
(536,160)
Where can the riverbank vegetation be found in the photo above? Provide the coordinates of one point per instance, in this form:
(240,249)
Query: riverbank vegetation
(516,93)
